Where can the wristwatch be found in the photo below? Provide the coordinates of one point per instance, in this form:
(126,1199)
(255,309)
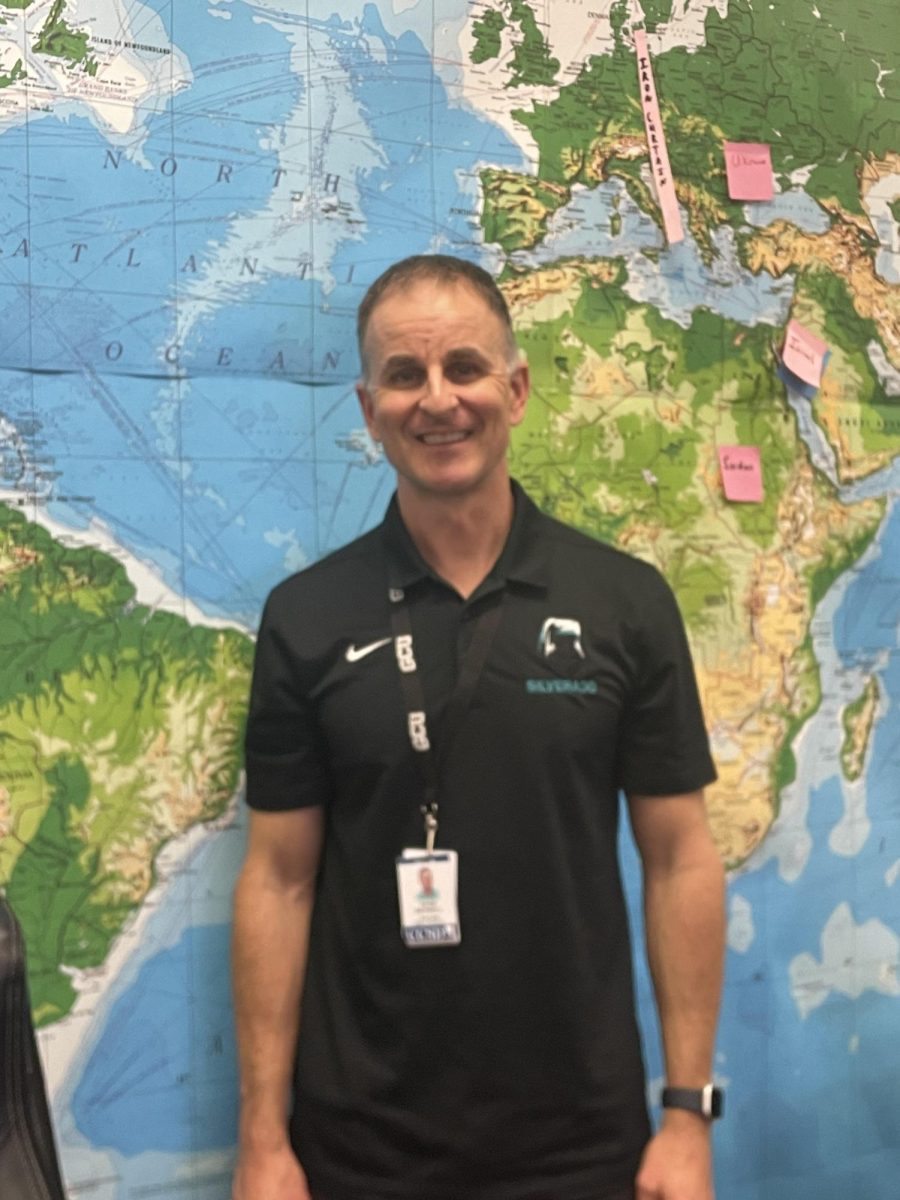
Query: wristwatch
(708,1101)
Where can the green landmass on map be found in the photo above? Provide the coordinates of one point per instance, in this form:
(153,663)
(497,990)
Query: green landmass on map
(839,296)
(656,12)
(18,72)
(620,439)
(857,720)
(816,97)
(517,207)
(592,130)
(120,729)
(895,209)
(17,3)
(58,39)
(531,62)
(876,427)
(820,87)
(486,30)
(717,374)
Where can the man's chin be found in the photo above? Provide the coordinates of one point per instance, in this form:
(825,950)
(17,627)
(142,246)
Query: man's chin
(446,483)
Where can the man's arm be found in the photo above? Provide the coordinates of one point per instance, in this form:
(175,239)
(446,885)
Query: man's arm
(272,909)
(684,915)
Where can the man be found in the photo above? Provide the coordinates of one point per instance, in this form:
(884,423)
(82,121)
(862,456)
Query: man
(426,884)
(469,685)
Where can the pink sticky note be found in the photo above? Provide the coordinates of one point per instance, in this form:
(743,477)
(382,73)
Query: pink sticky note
(748,166)
(741,473)
(804,353)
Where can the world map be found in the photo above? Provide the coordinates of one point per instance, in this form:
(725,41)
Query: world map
(193,199)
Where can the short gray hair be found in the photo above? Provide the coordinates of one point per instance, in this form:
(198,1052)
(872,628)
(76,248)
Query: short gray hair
(441,269)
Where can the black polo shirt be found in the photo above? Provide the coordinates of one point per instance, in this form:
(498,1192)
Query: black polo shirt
(508,1067)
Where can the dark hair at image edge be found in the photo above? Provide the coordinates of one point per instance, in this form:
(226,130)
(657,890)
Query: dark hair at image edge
(434,268)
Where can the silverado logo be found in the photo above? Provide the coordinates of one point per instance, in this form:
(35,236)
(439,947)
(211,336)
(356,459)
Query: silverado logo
(557,631)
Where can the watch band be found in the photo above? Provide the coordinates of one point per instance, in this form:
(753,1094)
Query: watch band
(708,1101)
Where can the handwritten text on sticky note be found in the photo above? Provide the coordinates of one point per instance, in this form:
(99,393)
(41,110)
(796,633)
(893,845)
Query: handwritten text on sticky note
(656,140)
(748,166)
(804,353)
(741,473)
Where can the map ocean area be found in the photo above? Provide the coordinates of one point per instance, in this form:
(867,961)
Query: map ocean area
(237,250)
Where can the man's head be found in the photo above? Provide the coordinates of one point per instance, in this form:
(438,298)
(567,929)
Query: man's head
(426,880)
(443,380)
(441,269)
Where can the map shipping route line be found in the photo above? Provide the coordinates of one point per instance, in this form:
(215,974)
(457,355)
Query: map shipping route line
(656,142)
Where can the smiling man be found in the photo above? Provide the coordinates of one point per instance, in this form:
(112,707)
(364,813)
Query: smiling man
(464,691)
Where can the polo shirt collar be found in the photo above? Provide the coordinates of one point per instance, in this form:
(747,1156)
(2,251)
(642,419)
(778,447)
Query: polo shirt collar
(520,561)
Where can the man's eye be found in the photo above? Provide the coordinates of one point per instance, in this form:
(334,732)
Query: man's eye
(463,372)
(402,377)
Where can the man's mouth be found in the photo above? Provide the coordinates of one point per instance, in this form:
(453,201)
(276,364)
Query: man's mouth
(446,438)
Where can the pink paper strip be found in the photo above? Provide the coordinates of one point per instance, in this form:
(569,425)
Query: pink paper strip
(741,473)
(748,166)
(656,140)
(804,353)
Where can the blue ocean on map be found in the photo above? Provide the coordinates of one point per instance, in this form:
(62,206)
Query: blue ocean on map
(228,480)
(163,1074)
(676,279)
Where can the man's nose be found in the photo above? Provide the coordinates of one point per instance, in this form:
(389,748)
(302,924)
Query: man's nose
(438,398)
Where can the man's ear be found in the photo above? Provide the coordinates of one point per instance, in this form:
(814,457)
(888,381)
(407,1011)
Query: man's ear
(367,404)
(519,386)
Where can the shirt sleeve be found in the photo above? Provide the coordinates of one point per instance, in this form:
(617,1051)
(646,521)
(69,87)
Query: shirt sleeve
(664,746)
(284,751)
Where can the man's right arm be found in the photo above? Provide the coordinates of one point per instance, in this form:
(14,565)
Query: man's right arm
(272,909)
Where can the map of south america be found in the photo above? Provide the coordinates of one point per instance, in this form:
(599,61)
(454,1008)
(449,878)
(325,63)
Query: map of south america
(121,730)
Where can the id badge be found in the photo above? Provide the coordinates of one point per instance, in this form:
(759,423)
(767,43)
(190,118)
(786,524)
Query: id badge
(426,889)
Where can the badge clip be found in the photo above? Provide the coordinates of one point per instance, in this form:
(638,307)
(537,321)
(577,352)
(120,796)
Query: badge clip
(431,828)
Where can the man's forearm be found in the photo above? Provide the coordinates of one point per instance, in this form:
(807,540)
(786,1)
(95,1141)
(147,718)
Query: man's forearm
(684,893)
(685,923)
(269,950)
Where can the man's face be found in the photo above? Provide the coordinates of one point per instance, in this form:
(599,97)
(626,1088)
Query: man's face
(440,392)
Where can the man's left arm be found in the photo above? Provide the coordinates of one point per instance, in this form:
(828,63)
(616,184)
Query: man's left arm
(684,914)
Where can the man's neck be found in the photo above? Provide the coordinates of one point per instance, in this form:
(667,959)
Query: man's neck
(460,537)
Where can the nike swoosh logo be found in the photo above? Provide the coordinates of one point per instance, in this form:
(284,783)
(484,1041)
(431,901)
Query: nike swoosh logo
(355,653)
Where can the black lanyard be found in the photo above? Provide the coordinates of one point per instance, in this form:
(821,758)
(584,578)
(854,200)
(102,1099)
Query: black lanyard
(470,671)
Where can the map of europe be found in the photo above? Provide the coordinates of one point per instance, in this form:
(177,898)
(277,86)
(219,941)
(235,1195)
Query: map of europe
(193,199)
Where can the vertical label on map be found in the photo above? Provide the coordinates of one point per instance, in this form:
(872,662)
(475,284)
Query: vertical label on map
(656,140)
(741,473)
(748,167)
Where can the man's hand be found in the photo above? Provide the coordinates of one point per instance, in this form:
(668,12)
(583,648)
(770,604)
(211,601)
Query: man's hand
(269,1175)
(677,1164)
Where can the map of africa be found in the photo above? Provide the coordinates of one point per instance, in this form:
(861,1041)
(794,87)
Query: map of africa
(193,200)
